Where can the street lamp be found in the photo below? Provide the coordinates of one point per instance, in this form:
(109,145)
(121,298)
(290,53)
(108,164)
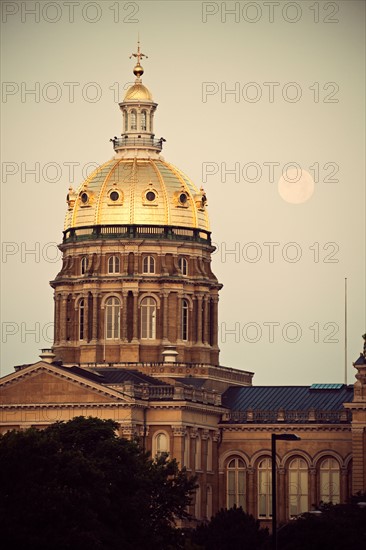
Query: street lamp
(275,437)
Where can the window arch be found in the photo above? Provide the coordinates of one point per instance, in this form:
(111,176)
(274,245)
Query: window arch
(298,487)
(81,318)
(185,310)
(84,265)
(235,483)
(265,488)
(112,318)
(183,266)
(133,120)
(148,264)
(329,481)
(161,444)
(143,120)
(113,264)
(148,318)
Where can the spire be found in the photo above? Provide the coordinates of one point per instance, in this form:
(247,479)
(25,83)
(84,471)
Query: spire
(138,71)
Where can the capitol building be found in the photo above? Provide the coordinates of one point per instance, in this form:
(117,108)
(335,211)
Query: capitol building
(136,340)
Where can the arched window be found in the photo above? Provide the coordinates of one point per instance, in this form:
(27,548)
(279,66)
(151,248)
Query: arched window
(143,120)
(265,488)
(183,266)
(235,483)
(184,320)
(186,460)
(113,264)
(148,319)
(133,120)
(329,481)
(161,444)
(298,487)
(148,264)
(208,502)
(84,265)
(112,311)
(209,454)
(197,503)
(198,452)
(81,319)
(125,115)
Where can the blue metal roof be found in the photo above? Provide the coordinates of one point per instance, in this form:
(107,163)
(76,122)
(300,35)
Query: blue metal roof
(277,398)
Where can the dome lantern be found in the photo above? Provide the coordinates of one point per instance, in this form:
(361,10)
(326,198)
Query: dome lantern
(138,108)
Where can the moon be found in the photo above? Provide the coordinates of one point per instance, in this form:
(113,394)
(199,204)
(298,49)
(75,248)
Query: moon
(296,186)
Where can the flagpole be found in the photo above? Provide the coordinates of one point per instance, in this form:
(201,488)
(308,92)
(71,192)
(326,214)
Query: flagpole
(345,330)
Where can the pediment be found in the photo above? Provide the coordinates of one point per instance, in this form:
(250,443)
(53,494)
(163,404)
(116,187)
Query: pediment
(43,383)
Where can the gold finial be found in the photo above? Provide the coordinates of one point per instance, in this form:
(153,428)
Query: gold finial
(138,71)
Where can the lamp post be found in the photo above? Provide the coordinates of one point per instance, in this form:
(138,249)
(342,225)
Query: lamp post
(275,437)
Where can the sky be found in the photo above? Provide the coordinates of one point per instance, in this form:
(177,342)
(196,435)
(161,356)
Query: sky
(261,103)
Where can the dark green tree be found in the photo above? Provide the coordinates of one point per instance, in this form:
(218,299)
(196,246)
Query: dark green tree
(77,485)
(231,529)
(339,527)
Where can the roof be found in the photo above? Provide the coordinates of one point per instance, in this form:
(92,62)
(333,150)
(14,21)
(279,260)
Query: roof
(287,398)
(361,360)
(125,191)
(110,375)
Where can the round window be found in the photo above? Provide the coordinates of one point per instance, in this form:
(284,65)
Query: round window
(150,195)
(84,198)
(183,198)
(114,196)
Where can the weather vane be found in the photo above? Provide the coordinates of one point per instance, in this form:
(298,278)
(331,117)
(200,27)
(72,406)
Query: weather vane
(138,55)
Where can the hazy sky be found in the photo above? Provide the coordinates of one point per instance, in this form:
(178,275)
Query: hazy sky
(246,91)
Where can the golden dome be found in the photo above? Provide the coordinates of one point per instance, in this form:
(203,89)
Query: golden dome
(137,191)
(138,92)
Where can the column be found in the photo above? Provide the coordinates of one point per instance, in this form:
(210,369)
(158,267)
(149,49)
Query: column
(344,485)
(63,318)
(205,320)
(358,460)
(165,296)
(135,316)
(215,321)
(218,493)
(56,327)
(124,315)
(86,317)
(282,499)
(178,443)
(179,316)
(95,317)
(199,319)
(313,492)
(252,508)
(192,459)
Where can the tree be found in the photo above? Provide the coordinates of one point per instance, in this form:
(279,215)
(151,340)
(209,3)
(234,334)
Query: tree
(340,527)
(77,485)
(231,529)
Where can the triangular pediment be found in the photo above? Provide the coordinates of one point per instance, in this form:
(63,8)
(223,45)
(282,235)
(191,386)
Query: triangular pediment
(44,383)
